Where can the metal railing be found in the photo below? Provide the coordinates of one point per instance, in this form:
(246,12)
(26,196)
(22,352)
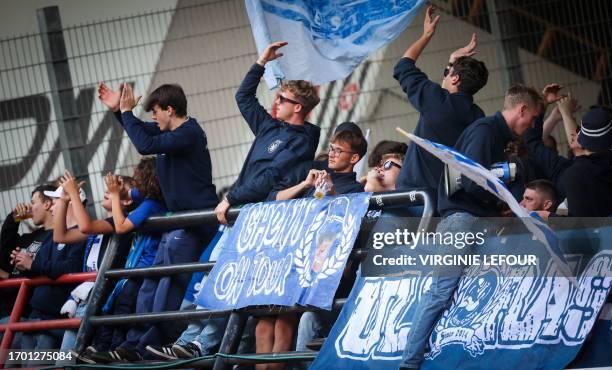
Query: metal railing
(24,285)
(237,318)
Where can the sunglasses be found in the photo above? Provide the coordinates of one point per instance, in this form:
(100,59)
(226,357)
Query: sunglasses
(388,164)
(284,99)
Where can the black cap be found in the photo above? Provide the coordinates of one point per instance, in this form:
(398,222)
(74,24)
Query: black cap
(596,129)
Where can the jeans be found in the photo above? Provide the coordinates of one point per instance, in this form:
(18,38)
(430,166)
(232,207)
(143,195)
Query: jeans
(437,298)
(207,332)
(70,336)
(41,341)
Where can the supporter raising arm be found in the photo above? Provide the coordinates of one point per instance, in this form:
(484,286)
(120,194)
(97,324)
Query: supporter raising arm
(445,109)
(281,142)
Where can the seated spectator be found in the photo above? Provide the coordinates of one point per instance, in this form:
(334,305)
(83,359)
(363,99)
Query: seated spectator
(39,210)
(52,260)
(347,147)
(385,147)
(119,198)
(384,176)
(540,195)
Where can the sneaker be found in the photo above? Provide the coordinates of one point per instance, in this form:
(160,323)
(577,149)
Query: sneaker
(85,356)
(120,354)
(162,352)
(189,350)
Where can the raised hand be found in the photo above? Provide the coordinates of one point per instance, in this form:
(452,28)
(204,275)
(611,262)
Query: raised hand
(127,101)
(550,93)
(271,52)
(431,21)
(466,51)
(114,184)
(109,97)
(70,186)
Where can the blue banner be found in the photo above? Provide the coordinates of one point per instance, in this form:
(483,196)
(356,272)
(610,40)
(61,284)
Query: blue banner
(327,39)
(285,253)
(527,317)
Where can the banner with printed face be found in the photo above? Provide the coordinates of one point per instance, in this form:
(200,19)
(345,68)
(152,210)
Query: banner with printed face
(527,316)
(327,40)
(285,253)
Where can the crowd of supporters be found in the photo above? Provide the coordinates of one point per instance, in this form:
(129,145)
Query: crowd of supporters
(175,174)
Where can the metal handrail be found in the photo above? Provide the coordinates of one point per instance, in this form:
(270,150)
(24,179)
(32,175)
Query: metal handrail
(24,284)
(237,318)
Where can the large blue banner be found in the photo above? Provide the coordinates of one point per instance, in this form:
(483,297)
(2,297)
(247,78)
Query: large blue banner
(524,316)
(285,253)
(327,39)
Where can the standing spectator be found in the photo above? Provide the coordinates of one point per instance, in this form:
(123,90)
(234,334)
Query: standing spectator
(185,176)
(484,142)
(587,182)
(280,142)
(445,110)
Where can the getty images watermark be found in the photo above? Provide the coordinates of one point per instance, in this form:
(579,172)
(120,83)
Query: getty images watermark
(396,247)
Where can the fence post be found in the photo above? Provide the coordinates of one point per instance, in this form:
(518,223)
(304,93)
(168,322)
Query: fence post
(503,27)
(72,132)
(231,339)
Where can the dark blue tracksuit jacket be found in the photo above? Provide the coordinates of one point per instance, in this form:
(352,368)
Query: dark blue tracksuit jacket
(183,165)
(443,117)
(550,162)
(278,145)
(484,142)
(53,260)
(295,175)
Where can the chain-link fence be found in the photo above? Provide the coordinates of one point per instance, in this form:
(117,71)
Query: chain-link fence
(50,118)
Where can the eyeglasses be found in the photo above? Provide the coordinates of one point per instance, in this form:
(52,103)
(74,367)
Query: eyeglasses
(284,99)
(336,150)
(388,164)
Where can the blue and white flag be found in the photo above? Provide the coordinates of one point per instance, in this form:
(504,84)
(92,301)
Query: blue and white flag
(483,177)
(285,253)
(327,39)
(515,317)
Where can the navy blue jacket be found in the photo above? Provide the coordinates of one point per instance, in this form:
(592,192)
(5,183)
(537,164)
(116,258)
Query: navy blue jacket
(278,145)
(183,162)
(443,117)
(54,260)
(295,175)
(484,142)
(550,162)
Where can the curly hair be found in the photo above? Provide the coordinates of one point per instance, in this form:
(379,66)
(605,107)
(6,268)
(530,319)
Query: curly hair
(145,179)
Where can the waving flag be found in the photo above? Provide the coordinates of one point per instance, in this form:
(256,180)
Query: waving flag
(490,182)
(327,38)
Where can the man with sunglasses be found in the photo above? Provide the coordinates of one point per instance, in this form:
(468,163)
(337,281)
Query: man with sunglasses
(445,110)
(384,176)
(347,147)
(280,142)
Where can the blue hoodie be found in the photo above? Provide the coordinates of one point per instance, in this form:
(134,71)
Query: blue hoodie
(278,145)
